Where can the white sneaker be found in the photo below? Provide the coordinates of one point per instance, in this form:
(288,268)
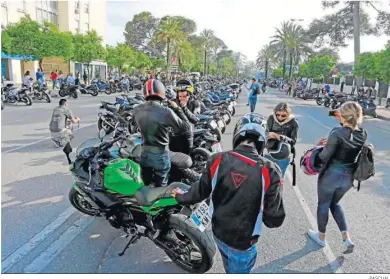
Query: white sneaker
(316,237)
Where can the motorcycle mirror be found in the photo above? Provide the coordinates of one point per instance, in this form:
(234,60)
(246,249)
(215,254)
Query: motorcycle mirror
(102,134)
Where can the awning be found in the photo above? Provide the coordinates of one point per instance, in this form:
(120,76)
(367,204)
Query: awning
(17,57)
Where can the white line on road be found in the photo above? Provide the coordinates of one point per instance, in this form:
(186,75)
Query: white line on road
(44,259)
(322,124)
(36,240)
(334,264)
(41,140)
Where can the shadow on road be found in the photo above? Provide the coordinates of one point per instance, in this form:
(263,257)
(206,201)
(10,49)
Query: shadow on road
(280,265)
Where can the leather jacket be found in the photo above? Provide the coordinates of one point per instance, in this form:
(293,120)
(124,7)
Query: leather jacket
(192,112)
(288,128)
(245,189)
(155,121)
(343,146)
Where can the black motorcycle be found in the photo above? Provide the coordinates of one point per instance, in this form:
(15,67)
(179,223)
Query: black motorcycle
(70,90)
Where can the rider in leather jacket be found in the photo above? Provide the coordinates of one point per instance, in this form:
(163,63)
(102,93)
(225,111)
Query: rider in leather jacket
(155,122)
(183,141)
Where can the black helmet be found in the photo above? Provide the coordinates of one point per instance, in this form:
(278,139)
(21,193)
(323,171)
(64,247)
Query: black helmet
(154,87)
(251,126)
(278,149)
(185,84)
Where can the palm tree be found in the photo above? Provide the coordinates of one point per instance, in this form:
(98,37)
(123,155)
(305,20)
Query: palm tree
(169,33)
(266,58)
(207,36)
(280,40)
(185,53)
(291,41)
(297,45)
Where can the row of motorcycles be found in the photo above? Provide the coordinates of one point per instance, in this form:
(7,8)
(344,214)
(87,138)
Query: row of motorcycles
(107,180)
(335,100)
(98,86)
(11,94)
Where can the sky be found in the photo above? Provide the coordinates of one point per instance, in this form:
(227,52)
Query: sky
(244,26)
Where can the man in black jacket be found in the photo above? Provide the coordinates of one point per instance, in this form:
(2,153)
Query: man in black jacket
(184,140)
(155,121)
(245,190)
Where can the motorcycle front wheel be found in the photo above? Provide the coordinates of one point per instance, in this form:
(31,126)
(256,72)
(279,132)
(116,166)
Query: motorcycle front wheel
(197,251)
(82,205)
(27,100)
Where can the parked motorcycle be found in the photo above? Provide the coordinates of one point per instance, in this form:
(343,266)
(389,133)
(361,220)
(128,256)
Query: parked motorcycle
(113,188)
(41,93)
(69,90)
(11,95)
(92,90)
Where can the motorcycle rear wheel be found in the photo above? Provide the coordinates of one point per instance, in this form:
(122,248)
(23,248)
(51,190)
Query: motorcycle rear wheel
(27,100)
(186,232)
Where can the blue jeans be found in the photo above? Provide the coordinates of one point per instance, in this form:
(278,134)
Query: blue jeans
(236,261)
(252,103)
(333,184)
(155,168)
(283,164)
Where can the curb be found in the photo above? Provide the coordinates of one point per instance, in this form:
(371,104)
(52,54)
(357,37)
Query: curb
(387,118)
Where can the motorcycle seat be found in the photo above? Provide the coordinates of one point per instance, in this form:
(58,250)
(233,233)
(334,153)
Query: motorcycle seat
(147,196)
(180,160)
(203,117)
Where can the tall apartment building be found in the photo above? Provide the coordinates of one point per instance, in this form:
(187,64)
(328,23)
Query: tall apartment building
(69,15)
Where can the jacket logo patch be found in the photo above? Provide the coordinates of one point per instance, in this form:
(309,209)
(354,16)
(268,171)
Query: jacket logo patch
(238,179)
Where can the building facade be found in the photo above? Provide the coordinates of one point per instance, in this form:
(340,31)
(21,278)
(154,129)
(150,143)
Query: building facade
(69,15)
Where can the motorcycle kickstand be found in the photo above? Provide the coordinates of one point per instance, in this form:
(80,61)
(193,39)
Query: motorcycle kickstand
(132,240)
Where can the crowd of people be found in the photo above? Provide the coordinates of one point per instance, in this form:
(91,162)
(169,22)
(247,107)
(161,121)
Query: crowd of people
(244,185)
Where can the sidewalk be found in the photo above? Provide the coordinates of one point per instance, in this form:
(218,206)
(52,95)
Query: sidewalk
(383,113)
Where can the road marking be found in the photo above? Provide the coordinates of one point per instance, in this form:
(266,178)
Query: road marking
(36,240)
(44,259)
(334,264)
(41,140)
(322,124)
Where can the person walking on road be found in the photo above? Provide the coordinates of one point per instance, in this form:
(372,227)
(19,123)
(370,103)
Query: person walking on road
(254,91)
(339,154)
(53,78)
(245,190)
(85,77)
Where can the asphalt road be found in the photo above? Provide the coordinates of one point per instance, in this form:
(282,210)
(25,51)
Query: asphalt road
(42,233)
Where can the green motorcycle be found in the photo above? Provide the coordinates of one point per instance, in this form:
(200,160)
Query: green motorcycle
(112,188)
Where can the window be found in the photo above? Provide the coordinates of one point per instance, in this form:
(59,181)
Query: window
(20,5)
(49,16)
(86,27)
(77,5)
(86,8)
(4,16)
(54,5)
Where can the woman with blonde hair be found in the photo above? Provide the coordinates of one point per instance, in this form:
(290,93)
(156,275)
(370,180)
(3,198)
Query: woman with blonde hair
(282,135)
(338,159)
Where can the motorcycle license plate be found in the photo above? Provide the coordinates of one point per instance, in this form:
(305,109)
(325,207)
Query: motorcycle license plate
(220,124)
(200,216)
(213,124)
(216,147)
(225,117)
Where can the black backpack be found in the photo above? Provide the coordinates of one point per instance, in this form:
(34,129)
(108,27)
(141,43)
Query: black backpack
(365,167)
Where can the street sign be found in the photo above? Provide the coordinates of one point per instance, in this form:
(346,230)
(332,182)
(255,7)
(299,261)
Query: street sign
(335,72)
(174,60)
